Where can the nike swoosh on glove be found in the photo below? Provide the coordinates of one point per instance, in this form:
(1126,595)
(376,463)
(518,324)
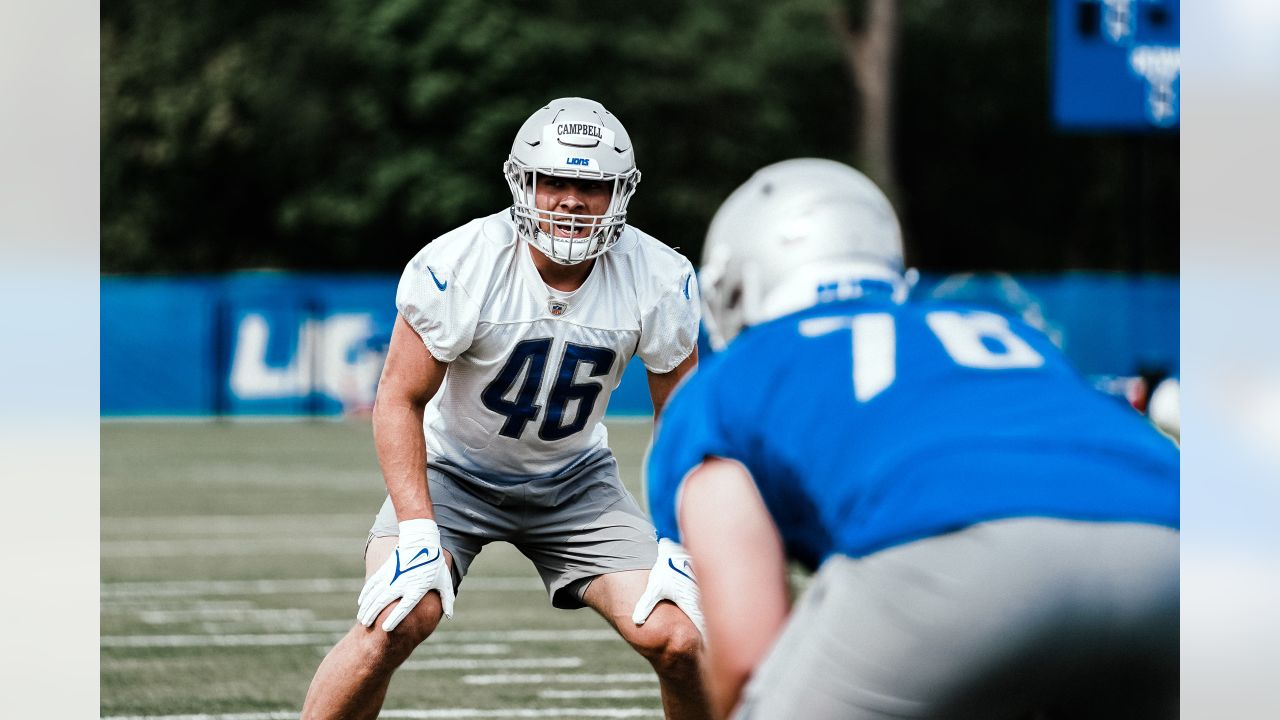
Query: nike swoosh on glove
(415,568)
(671,579)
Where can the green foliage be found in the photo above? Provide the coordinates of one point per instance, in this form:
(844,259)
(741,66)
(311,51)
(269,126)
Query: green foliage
(344,134)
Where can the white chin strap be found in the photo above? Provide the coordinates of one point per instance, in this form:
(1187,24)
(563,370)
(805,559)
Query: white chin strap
(568,250)
(602,230)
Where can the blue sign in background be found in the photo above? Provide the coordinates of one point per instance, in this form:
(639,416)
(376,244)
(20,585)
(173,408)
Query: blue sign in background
(1116,64)
(282,344)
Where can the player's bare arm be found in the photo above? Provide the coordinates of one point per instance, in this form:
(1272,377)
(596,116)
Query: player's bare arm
(661,385)
(417,565)
(410,378)
(734,544)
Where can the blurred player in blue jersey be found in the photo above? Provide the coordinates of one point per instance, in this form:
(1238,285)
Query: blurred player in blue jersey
(991,536)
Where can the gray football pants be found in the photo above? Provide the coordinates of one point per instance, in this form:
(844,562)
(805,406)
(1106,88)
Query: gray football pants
(574,528)
(1020,618)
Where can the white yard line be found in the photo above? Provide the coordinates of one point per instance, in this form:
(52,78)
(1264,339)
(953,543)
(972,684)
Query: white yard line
(201,588)
(252,628)
(176,641)
(140,603)
(492,663)
(168,662)
(287,640)
(431,648)
(229,547)
(438,643)
(227,615)
(236,622)
(187,525)
(528,635)
(434,714)
(559,678)
(599,694)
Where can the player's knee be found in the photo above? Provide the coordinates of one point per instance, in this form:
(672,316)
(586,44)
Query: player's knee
(384,651)
(387,650)
(679,652)
(672,648)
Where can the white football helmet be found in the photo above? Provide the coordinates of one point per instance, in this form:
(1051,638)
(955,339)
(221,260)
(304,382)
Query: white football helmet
(571,138)
(797,233)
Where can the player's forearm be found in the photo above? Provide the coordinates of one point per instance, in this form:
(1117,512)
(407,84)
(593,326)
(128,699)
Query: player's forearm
(402,455)
(731,661)
(741,569)
(724,688)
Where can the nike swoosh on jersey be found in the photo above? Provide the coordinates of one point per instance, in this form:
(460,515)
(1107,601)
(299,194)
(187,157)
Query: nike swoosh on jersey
(687,278)
(436,280)
(421,552)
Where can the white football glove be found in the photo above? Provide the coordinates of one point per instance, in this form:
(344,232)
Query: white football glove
(671,579)
(415,568)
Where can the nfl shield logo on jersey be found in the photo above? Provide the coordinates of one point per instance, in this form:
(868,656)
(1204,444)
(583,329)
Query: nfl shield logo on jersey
(557,307)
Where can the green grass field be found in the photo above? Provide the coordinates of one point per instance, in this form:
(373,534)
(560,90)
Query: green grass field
(231,561)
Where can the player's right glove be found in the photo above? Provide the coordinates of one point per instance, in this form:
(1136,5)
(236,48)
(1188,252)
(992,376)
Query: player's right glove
(671,579)
(415,568)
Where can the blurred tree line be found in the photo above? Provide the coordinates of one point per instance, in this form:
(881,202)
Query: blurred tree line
(343,134)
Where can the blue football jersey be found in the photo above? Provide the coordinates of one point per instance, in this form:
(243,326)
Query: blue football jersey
(867,424)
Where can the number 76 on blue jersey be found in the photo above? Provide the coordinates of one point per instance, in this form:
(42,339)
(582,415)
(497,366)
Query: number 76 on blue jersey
(979,340)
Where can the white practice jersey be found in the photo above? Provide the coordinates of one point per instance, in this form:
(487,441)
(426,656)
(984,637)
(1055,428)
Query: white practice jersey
(530,368)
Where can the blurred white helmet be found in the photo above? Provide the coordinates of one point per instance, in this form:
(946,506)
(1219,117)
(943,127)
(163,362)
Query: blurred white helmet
(1164,407)
(571,138)
(799,232)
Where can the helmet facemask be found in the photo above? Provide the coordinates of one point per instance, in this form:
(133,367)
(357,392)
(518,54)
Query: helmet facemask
(571,245)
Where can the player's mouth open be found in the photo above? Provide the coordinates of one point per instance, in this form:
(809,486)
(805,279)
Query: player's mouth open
(571,230)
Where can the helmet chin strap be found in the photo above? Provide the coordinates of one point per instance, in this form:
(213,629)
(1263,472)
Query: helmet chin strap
(551,238)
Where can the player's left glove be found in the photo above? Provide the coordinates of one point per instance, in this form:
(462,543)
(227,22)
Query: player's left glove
(415,568)
(671,579)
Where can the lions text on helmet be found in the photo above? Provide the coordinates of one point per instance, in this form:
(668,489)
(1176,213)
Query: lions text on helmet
(571,172)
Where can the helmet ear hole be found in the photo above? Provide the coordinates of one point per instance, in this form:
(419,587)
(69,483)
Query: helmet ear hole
(734,299)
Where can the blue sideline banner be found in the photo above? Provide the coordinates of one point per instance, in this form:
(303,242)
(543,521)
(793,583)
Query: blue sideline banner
(285,344)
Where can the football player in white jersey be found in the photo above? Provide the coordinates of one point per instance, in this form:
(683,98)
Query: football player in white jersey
(513,331)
